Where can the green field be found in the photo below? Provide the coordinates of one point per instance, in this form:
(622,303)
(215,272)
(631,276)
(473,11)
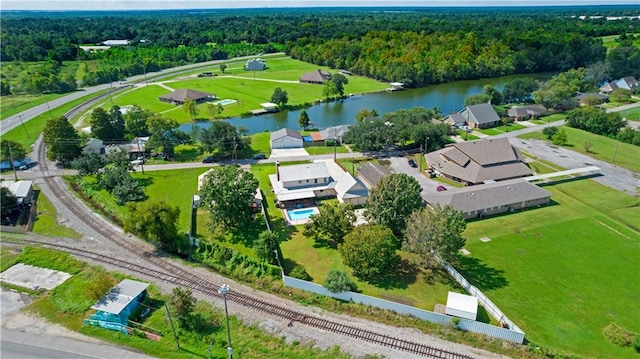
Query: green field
(610,41)
(13,104)
(46,222)
(604,148)
(632,114)
(565,271)
(500,129)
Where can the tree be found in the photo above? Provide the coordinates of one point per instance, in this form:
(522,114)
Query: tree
(214,110)
(560,138)
(435,231)
(366,114)
(222,137)
(620,95)
(128,190)
(303,119)
(8,201)
(334,221)
(11,150)
(267,246)
(494,94)
(101,282)
(337,282)
(477,99)
(226,193)
(89,164)
(392,200)
(135,121)
(280,97)
(223,67)
(62,140)
(162,133)
(157,222)
(191,107)
(587,145)
(329,90)
(339,80)
(599,72)
(370,250)
(519,90)
(183,303)
(550,131)
(107,126)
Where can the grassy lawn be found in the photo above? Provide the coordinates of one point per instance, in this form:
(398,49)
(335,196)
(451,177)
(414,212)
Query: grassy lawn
(13,104)
(466,135)
(610,41)
(70,303)
(550,118)
(632,114)
(500,129)
(565,271)
(34,126)
(325,150)
(46,222)
(604,148)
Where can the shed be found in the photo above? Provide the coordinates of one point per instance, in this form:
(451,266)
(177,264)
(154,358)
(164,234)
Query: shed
(462,305)
(120,302)
(286,138)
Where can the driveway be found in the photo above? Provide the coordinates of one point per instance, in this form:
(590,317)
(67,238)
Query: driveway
(288,152)
(401,165)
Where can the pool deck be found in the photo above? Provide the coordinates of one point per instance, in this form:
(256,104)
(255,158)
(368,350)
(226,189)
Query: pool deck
(297,222)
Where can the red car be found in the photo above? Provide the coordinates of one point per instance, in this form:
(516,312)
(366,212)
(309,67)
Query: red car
(441,188)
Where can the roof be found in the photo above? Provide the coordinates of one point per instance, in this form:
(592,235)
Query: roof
(350,187)
(518,112)
(269,105)
(285,132)
(181,95)
(303,172)
(581,96)
(120,296)
(334,132)
(373,172)
(115,42)
(455,119)
(462,302)
(316,76)
(479,161)
(316,136)
(481,113)
(20,189)
(479,197)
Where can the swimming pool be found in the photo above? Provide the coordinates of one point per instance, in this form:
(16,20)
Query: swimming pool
(225,102)
(298,214)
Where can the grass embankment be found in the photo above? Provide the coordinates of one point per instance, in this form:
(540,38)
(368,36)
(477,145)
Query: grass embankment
(46,222)
(565,271)
(240,85)
(69,303)
(603,148)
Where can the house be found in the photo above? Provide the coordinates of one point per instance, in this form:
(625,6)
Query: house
(492,198)
(627,83)
(525,113)
(480,116)
(115,42)
(334,133)
(351,190)
(255,65)
(462,305)
(455,120)
(315,77)
(478,161)
(94,145)
(370,173)
(119,303)
(180,96)
(395,86)
(286,138)
(300,185)
(586,98)
(22,190)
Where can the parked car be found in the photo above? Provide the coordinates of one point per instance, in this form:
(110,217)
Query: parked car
(413,163)
(260,156)
(138,161)
(209,159)
(441,188)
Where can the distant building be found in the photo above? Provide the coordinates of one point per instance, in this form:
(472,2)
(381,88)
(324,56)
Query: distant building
(116,42)
(255,65)
(627,83)
(351,190)
(371,173)
(525,113)
(22,190)
(286,138)
(94,145)
(180,96)
(315,77)
(114,309)
(334,133)
(598,97)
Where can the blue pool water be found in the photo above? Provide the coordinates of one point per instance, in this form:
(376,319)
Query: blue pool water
(225,102)
(296,214)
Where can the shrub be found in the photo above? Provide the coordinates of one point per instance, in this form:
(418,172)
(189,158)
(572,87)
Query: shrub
(619,335)
(636,343)
(337,281)
(549,132)
(299,272)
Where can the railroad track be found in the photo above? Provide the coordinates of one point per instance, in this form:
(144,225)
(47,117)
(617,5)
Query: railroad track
(173,274)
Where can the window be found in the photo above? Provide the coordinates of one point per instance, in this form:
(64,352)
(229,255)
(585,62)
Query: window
(316,180)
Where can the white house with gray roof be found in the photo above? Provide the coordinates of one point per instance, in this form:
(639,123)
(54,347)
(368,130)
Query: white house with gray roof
(492,198)
(480,161)
(480,116)
(350,190)
(286,138)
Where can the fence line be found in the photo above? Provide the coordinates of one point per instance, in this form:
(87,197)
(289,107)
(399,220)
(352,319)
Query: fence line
(463,324)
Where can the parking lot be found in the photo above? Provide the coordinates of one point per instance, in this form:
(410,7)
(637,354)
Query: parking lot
(401,165)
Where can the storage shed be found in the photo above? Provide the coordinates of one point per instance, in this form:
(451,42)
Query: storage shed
(462,305)
(118,304)
(286,138)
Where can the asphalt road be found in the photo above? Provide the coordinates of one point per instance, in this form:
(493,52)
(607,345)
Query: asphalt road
(401,165)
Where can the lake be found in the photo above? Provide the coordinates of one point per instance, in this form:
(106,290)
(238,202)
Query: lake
(449,97)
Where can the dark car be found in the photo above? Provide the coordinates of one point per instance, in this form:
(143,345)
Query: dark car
(413,163)
(441,188)
(208,160)
(260,156)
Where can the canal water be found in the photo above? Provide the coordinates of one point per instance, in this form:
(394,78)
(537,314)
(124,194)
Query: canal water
(449,97)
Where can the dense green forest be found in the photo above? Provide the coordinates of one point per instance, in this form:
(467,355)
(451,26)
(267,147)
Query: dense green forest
(417,46)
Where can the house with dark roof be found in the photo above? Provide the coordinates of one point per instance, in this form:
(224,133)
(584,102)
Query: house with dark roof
(455,120)
(492,198)
(524,113)
(586,98)
(180,96)
(371,173)
(286,138)
(480,116)
(255,65)
(627,83)
(315,77)
(480,161)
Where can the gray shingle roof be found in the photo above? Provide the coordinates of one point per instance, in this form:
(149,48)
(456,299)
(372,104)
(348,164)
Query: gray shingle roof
(334,132)
(316,76)
(481,113)
(372,172)
(476,198)
(285,132)
(181,95)
(455,119)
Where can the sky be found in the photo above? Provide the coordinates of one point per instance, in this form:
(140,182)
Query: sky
(229,4)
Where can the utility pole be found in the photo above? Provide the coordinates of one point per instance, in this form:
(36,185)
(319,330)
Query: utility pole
(23,127)
(235,154)
(49,108)
(175,336)
(141,163)
(224,290)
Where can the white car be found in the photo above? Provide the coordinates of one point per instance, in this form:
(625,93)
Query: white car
(138,161)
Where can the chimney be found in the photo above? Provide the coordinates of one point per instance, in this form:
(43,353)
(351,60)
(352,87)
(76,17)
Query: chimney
(278,171)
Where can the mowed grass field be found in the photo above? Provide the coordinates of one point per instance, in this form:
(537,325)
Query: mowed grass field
(566,270)
(240,85)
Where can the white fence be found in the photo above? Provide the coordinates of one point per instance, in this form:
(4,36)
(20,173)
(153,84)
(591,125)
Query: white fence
(463,324)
